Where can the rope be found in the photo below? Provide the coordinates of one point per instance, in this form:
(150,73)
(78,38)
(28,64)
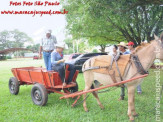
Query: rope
(82,100)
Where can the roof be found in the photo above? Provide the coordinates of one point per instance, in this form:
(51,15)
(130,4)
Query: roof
(6,51)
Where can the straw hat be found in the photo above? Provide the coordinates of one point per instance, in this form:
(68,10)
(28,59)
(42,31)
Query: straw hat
(122,44)
(60,45)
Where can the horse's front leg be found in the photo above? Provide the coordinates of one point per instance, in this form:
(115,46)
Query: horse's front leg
(131,104)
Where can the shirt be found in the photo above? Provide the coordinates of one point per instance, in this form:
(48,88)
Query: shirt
(55,57)
(126,52)
(48,43)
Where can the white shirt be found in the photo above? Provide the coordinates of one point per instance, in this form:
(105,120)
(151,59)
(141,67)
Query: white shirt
(48,43)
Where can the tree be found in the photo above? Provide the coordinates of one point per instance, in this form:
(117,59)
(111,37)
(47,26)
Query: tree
(34,47)
(4,40)
(76,46)
(110,21)
(82,25)
(13,39)
(138,23)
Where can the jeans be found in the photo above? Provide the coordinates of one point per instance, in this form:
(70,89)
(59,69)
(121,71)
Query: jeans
(61,70)
(139,88)
(123,90)
(72,70)
(47,60)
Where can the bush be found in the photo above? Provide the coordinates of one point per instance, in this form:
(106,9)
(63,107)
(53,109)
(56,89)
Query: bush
(70,51)
(95,51)
(3,58)
(8,57)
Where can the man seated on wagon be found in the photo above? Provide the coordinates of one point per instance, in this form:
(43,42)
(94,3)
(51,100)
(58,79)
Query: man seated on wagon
(58,64)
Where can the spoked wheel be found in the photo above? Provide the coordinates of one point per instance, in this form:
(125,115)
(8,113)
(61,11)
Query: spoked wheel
(13,86)
(39,95)
(74,89)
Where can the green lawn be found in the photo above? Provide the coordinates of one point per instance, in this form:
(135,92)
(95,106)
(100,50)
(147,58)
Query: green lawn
(21,108)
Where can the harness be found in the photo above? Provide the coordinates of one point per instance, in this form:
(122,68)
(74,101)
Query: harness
(111,72)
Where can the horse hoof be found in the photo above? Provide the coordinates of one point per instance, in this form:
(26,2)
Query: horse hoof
(121,98)
(86,110)
(132,120)
(102,108)
(136,115)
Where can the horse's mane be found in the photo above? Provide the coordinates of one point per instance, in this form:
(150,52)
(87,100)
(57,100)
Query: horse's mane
(143,44)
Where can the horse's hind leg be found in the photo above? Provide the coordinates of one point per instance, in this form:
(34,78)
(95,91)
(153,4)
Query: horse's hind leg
(84,99)
(97,98)
(88,77)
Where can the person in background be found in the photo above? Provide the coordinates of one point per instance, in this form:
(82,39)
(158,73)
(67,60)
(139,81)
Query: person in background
(58,64)
(47,46)
(115,48)
(122,48)
(132,51)
(131,47)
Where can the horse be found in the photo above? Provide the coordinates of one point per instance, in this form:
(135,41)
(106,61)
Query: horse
(146,52)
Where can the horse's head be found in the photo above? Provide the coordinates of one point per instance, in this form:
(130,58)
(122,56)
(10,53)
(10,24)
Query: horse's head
(159,47)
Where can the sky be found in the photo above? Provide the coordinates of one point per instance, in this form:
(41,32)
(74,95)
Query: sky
(36,26)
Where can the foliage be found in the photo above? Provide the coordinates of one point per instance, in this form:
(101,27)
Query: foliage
(34,47)
(8,57)
(110,21)
(68,51)
(2,57)
(80,46)
(95,51)
(69,43)
(13,39)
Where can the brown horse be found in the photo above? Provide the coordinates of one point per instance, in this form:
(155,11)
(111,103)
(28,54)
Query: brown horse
(147,53)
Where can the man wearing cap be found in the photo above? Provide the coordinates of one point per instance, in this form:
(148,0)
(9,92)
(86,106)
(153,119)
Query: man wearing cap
(58,64)
(122,48)
(131,47)
(132,51)
(47,46)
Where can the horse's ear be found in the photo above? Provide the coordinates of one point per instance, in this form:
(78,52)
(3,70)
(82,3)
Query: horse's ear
(156,37)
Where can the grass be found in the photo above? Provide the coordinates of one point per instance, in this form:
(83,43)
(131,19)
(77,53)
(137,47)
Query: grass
(21,108)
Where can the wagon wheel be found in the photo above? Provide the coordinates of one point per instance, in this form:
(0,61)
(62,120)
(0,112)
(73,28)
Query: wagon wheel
(39,94)
(13,85)
(74,89)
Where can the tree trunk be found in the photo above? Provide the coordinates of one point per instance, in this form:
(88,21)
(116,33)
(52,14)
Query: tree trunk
(102,48)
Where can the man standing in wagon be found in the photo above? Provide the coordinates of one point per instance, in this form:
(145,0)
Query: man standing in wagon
(47,46)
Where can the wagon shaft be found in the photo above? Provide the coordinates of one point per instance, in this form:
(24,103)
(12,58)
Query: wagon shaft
(96,89)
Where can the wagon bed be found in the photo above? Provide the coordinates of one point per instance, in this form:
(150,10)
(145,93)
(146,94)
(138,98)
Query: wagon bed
(44,82)
(32,75)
